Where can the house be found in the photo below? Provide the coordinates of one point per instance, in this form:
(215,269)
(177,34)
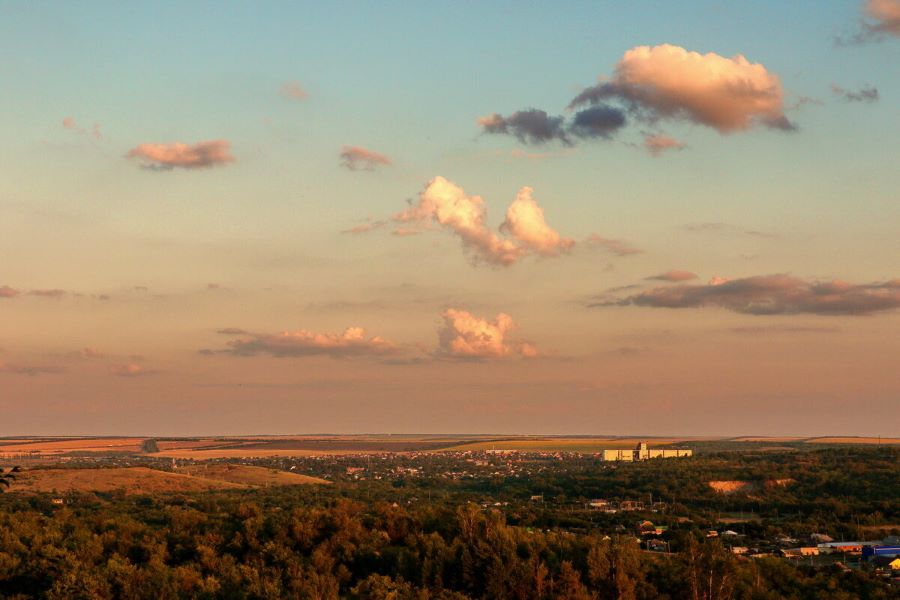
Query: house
(648,528)
(785,540)
(845,547)
(800,552)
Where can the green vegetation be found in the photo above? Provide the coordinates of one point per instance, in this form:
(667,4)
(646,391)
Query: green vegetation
(423,534)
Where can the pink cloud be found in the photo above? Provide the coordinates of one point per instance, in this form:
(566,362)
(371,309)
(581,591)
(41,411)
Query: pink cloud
(658,143)
(469,337)
(8,292)
(357,158)
(130,370)
(293,90)
(525,221)
(667,81)
(72,125)
(447,204)
(185,156)
(353,342)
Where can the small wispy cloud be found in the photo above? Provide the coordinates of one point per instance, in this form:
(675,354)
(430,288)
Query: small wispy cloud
(164,157)
(293,90)
(867,94)
(72,125)
(130,370)
(616,246)
(357,158)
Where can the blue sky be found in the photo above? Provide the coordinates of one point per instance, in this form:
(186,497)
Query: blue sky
(409,80)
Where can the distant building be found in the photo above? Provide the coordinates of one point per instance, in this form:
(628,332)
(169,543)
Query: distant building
(799,552)
(642,452)
(870,552)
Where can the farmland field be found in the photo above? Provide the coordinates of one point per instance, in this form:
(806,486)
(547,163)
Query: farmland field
(142,480)
(203,448)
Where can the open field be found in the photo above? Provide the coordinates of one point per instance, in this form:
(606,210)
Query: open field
(552,444)
(142,480)
(247,475)
(211,453)
(202,448)
(853,440)
(61,446)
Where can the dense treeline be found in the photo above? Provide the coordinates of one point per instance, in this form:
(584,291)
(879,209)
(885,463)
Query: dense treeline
(481,537)
(297,544)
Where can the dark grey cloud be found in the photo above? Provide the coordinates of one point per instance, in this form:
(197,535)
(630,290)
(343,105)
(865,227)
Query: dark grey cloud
(530,126)
(772,295)
(600,121)
(867,93)
(536,127)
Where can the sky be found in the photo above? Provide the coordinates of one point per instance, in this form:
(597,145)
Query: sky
(599,218)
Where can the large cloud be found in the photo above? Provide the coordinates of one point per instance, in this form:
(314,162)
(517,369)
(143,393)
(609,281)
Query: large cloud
(352,342)
(773,295)
(469,337)
(447,204)
(357,158)
(666,81)
(185,156)
(525,221)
